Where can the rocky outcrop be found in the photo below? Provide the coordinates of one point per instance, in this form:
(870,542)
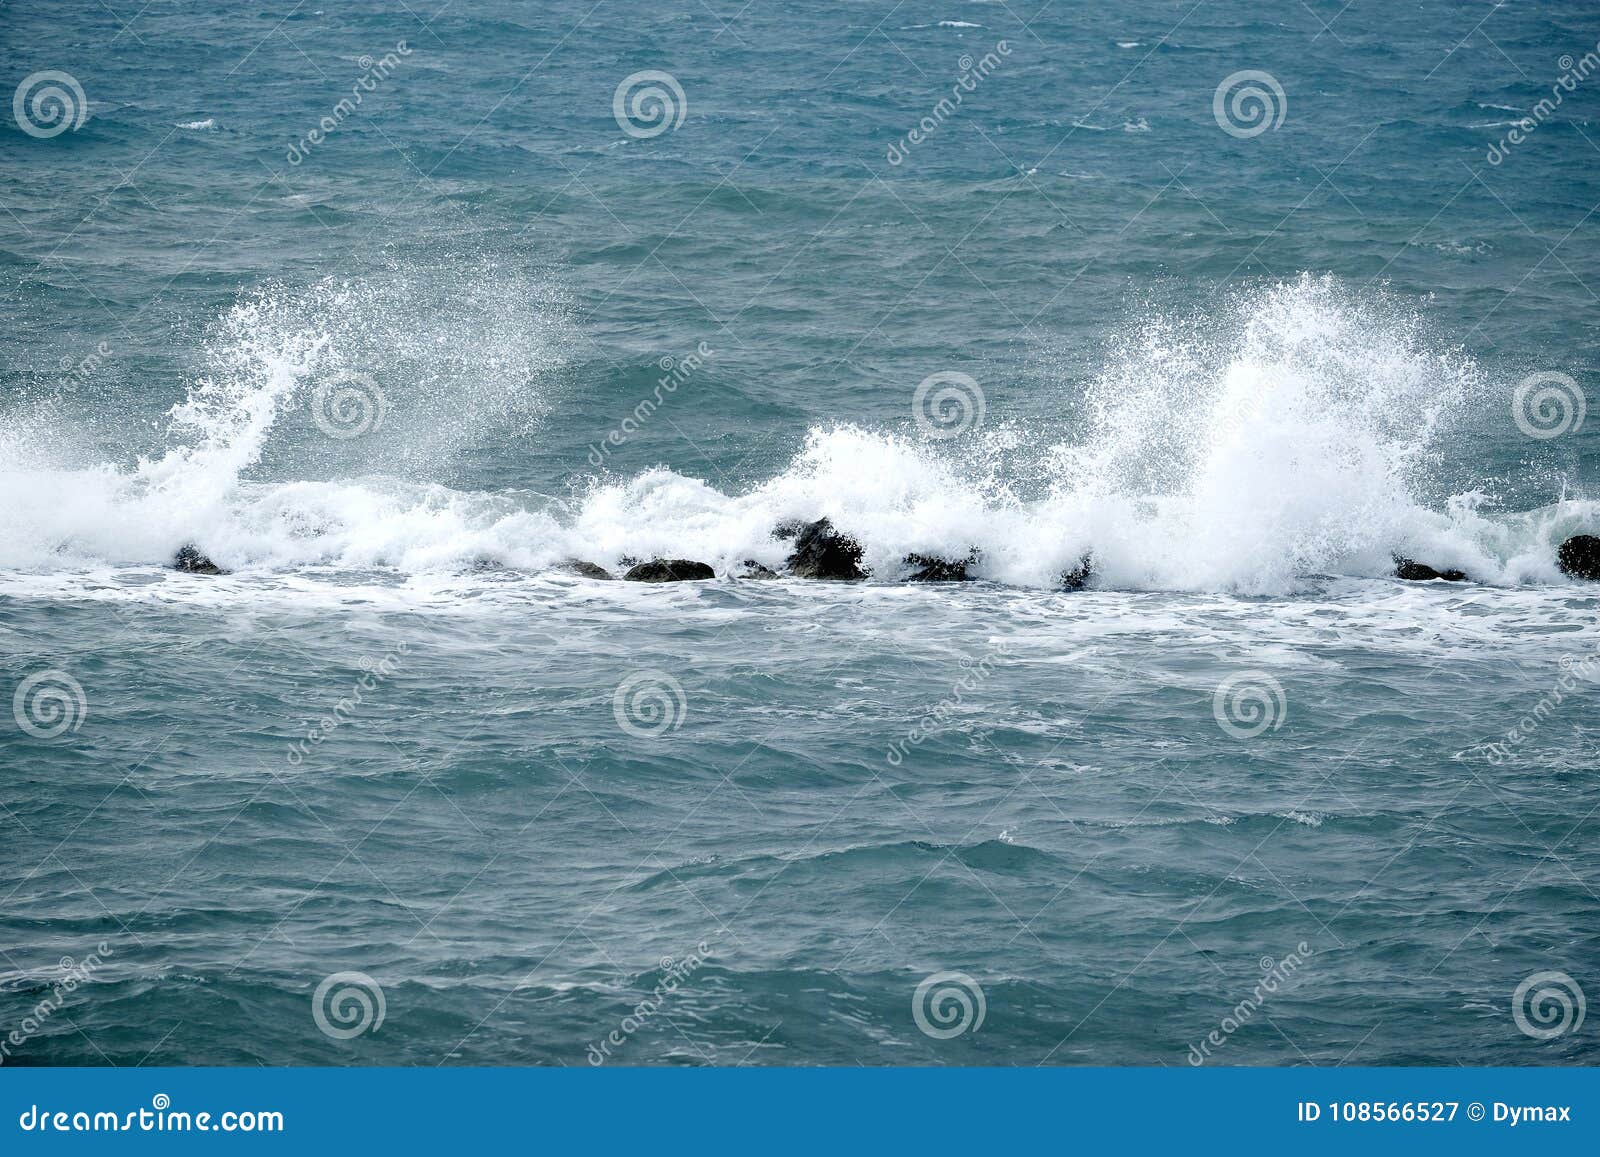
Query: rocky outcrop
(821,552)
(1078,577)
(754,570)
(669,570)
(587,570)
(926,568)
(191,561)
(1579,556)
(1419,572)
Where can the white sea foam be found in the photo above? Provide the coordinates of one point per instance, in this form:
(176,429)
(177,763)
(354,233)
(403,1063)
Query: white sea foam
(1292,431)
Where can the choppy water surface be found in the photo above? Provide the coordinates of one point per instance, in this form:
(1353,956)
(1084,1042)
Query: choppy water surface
(401,789)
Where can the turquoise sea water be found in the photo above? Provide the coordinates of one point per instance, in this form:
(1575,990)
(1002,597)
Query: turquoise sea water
(401,790)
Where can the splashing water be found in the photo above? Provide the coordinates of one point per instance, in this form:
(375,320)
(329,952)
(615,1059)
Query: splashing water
(1286,433)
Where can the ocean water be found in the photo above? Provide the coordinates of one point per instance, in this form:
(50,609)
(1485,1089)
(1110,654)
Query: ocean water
(399,789)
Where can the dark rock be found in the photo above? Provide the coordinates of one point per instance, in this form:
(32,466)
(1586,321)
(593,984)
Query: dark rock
(590,570)
(1421,572)
(669,570)
(1078,577)
(821,552)
(1579,556)
(191,561)
(930,569)
(754,570)
(789,528)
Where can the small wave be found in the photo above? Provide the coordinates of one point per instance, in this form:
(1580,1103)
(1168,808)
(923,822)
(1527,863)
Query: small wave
(206,125)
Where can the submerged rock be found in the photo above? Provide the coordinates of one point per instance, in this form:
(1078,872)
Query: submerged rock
(669,570)
(1418,572)
(821,552)
(754,570)
(1078,577)
(1579,556)
(590,570)
(931,569)
(191,561)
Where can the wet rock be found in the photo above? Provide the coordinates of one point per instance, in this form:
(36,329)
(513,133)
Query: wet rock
(1579,556)
(1420,572)
(1078,577)
(588,570)
(821,552)
(669,570)
(789,528)
(754,570)
(927,568)
(191,561)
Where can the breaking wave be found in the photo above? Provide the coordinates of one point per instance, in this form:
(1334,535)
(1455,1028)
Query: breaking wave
(1292,431)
